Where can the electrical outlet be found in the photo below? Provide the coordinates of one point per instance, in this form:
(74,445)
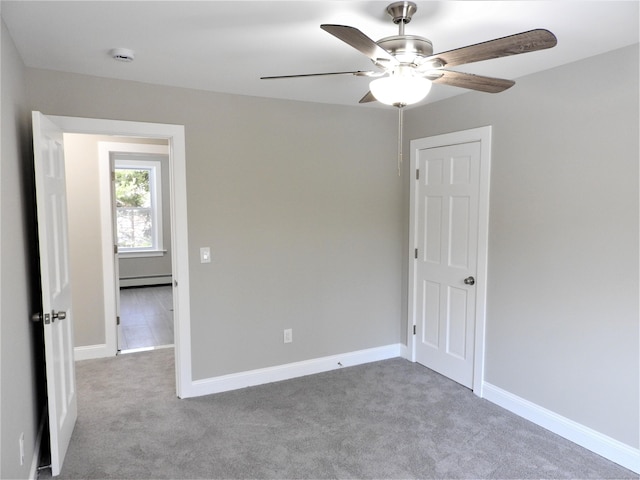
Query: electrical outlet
(288,335)
(21,444)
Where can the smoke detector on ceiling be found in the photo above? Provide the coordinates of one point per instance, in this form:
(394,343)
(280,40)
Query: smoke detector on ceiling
(122,54)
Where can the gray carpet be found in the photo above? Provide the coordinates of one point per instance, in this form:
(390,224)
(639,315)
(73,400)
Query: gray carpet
(390,419)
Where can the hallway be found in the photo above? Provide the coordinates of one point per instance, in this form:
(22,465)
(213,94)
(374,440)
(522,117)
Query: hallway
(146,317)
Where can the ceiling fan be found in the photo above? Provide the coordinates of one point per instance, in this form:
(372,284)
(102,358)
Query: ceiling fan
(407,66)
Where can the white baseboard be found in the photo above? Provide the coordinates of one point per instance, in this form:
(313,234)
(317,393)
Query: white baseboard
(405,352)
(278,373)
(609,448)
(35,461)
(92,351)
(147,281)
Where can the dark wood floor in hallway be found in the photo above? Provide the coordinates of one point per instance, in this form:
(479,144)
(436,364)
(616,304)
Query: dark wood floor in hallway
(146,317)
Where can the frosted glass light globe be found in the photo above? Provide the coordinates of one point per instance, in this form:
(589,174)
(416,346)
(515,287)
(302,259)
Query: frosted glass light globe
(399,90)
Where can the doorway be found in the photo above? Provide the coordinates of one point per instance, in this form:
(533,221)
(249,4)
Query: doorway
(140,212)
(133,176)
(174,136)
(449,238)
(51,193)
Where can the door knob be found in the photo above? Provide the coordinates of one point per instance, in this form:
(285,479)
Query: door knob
(38,317)
(469,281)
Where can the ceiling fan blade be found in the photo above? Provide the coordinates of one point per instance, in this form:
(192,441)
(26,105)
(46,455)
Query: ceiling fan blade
(359,73)
(524,42)
(473,82)
(368,98)
(361,42)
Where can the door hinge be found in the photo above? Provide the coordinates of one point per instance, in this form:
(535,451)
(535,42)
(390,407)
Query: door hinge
(118,320)
(417,174)
(115,249)
(113,175)
(414,329)
(415,253)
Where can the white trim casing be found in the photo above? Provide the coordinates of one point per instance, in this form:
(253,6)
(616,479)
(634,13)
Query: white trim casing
(142,254)
(154,167)
(175,134)
(483,135)
(37,450)
(405,352)
(278,373)
(603,445)
(89,352)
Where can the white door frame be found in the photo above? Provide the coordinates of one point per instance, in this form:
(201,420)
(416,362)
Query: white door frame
(482,135)
(179,233)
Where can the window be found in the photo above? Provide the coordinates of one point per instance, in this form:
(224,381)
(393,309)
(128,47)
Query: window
(138,198)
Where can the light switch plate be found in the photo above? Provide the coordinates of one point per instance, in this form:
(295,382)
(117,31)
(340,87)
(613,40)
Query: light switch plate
(288,335)
(205,255)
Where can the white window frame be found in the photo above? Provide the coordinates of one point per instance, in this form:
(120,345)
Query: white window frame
(139,162)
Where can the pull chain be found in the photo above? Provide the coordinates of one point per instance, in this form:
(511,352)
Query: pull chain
(400,128)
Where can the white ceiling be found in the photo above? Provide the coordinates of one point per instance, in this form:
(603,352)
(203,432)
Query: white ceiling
(225,46)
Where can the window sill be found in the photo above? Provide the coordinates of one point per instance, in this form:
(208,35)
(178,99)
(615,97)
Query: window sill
(142,254)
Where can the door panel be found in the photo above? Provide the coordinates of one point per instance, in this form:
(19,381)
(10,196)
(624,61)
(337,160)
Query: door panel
(459,236)
(457,323)
(447,236)
(432,247)
(57,312)
(431,309)
(116,251)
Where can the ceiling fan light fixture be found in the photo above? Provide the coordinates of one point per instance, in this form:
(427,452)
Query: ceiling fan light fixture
(400,91)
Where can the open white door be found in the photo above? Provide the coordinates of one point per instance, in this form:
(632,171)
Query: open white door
(57,314)
(116,253)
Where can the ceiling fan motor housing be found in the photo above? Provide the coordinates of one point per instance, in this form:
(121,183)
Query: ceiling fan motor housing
(407,49)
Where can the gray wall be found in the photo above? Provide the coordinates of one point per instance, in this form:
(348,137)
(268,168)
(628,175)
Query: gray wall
(562,314)
(85,235)
(300,204)
(21,376)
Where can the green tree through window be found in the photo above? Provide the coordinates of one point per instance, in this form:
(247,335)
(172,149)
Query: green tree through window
(138,219)
(133,207)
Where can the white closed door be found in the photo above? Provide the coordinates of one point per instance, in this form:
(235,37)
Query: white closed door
(57,314)
(446,259)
